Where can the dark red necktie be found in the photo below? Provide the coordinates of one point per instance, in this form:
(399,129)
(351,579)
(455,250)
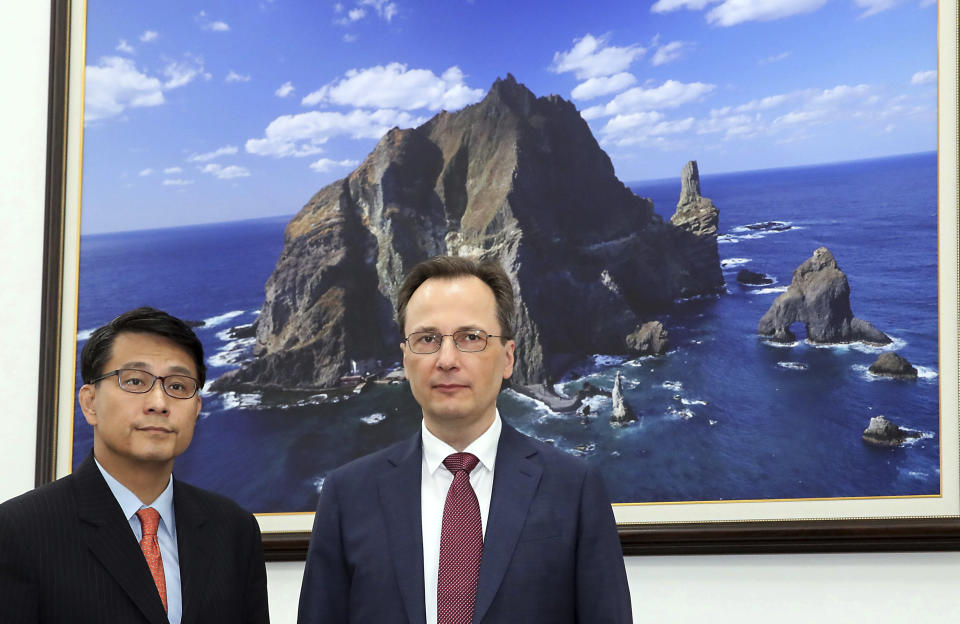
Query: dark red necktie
(461,544)
(149,520)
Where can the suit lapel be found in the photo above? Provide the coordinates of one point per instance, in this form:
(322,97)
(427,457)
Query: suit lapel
(515,482)
(193,547)
(107,533)
(399,491)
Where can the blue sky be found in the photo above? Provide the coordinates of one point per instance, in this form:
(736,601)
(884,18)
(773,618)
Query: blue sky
(232,110)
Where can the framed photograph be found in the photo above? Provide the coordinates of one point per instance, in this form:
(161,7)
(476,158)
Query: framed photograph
(732,231)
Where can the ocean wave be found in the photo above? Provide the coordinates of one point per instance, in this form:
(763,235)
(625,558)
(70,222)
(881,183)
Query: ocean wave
(769,291)
(543,412)
(727,239)
(693,401)
(685,413)
(896,345)
(734,262)
(374,418)
(238,400)
(863,370)
(798,366)
(676,386)
(84,334)
(232,353)
(225,334)
(926,372)
(782,345)
(213,321)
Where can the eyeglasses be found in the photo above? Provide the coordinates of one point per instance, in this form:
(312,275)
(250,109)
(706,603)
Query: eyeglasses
(466,340)
(141,382)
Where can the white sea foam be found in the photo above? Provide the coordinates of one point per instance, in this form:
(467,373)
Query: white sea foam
(896,345)
(84,334)
(542,410)
(318,483)
(693,402)
(685,414)
(769,291)
(734,262)
(238,400)
(231,353)
(374,418)
(676,386)
(224,334)
(798,366)
(606,361)
(925,372)
(213,321)
(727,239)
(711,422)
(782,345)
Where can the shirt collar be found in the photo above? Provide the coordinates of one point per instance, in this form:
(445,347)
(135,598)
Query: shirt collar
(130,504)
(436,450)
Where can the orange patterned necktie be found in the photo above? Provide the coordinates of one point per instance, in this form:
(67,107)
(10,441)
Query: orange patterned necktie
(149,520)
(461,544)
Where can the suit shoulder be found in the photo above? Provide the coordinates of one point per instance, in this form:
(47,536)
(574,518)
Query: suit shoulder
(46,500)
(554,459)
(372,464)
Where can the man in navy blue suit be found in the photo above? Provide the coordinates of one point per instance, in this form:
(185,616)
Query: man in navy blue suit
(468,520)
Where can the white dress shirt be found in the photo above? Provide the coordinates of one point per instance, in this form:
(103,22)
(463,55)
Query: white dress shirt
(435,480)
(166,536)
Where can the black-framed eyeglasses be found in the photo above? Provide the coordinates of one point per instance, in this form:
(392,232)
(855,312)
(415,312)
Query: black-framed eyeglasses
(141,382)
(466,340)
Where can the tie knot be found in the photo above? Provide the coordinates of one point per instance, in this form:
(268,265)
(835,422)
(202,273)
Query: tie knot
(149,520)
(461,461)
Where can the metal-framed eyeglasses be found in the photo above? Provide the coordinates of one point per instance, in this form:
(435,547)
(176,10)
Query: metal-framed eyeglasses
(466,340)
(141,382)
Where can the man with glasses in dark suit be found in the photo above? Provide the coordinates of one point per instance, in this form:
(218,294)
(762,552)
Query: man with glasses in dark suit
(468,520)
(121,539)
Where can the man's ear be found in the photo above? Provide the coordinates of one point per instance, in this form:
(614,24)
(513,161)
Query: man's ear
(86,396)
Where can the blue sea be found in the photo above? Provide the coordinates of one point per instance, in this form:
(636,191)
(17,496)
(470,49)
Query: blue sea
(723,416)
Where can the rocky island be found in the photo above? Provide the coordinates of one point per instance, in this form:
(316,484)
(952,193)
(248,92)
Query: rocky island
(515,177)
(818,297)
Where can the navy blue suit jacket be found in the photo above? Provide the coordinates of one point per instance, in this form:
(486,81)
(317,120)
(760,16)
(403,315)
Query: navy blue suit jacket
(551,553)
(67,554)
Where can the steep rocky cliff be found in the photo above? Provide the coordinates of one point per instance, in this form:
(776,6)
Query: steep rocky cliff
(514,177)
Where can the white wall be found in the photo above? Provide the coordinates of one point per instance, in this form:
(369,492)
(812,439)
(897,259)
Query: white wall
(878,588)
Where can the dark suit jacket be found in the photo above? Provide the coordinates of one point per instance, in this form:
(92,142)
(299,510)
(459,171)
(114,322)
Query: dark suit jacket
(551,553)
(67,554)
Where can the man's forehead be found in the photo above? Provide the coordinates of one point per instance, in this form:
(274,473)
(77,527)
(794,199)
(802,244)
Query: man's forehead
(442,296)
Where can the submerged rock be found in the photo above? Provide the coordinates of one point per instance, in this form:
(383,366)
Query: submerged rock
(819,297)
(650,338)
(889,364)
(883,432)
(752,278)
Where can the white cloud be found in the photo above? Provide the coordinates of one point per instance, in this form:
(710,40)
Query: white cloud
(207,24)
(284,90)
(326,165)
(591,57)
(665,6)
(148,36)
(172,170)
(668,53)
(180,73)
(226,150)
(115,84)
(775,58)
(385,9)
(349,38)
(177,182)
(145,172)
(233,76)
(840,93)
(872,7)
(766,103)
(670,94)
(356,14)
(226,173)
(642,128)
(124,47)
(305,134)
(394,86)
(596,87)
(732,12)
(924,77)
